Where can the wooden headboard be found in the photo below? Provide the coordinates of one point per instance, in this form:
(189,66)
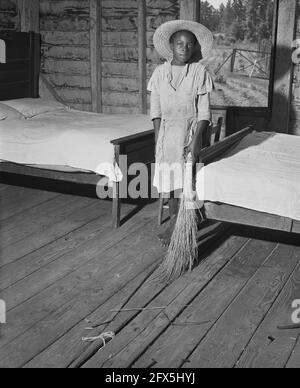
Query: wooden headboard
(19,76)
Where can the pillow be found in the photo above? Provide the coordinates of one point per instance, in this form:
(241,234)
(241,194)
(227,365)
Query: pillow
(31,107)
(6,112)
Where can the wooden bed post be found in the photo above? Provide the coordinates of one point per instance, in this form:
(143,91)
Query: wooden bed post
(116,211)
(136,148)
(116,206)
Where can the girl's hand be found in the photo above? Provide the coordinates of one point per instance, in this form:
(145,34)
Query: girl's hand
(194,148)
(199,141)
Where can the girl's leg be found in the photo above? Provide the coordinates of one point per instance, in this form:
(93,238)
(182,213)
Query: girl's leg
(173,206)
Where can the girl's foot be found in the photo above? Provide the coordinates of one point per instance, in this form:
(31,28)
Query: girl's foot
(165,237)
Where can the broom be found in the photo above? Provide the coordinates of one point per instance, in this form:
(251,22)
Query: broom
(183,248)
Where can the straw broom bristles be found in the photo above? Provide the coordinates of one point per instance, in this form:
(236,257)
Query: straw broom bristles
(183,248)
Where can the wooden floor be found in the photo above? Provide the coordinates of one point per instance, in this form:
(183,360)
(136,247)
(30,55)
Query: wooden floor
(63,268)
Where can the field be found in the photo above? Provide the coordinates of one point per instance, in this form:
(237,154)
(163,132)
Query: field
(247,85)
(241,91)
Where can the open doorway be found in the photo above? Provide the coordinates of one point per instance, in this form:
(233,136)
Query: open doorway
(241,61)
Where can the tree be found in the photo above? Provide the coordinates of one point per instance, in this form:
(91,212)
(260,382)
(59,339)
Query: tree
(241,19)
(227,17)
(222,11)
(210,16)
(259,19)
(238,24)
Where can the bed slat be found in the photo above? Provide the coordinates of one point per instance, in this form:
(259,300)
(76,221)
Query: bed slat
(237,215)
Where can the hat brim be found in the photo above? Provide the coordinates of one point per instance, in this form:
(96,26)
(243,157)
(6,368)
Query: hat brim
(164,33)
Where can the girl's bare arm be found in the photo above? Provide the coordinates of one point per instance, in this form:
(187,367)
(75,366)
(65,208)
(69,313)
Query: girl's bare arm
(199,140)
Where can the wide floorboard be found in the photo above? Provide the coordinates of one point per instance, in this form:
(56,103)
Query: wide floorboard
(66,274)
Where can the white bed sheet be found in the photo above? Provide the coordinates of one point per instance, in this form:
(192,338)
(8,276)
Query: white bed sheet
(262,173)
(72,139)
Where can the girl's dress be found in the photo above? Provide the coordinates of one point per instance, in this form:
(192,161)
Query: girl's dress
(180,98)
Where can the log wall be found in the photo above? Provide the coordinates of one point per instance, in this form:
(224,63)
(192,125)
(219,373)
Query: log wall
(295,105)
(66,64)
(120,53)
(64,26)
(158,12)
(120,90)
(9,15)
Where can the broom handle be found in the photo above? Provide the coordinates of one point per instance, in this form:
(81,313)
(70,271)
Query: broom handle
(188,178)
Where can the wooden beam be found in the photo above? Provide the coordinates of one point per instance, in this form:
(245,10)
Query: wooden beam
(96,54)
(29,15)
(272,62)
(283,73)
(142,43)
(190,10)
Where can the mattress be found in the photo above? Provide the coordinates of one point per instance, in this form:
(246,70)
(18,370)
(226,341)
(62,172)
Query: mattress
(69,140)
(261,173)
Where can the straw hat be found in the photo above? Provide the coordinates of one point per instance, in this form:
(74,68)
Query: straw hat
(164,33)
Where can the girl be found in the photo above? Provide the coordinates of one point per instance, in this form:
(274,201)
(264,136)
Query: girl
(180,105)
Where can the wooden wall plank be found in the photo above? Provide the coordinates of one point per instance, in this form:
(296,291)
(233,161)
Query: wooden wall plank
(111,109)
(65,23)
(8,15)
(121,99)
(65,80)
(120,55)
(80,38)
(66,65)
(190,10)
(119,69)
(96,54)
(113,38)
(158,12)
(294,124)
(282,89)
(68,6)
(29,13)
(66,52)
(74,95)
(120,84)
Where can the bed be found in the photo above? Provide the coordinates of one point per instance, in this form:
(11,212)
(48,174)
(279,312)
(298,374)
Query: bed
(49,140)
(252,178)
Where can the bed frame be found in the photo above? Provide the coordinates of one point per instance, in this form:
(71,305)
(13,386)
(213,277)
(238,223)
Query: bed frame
(19,78)
(236,215)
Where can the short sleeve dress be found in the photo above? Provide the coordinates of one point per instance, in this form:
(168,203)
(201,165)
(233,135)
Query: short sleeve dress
(179,109)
